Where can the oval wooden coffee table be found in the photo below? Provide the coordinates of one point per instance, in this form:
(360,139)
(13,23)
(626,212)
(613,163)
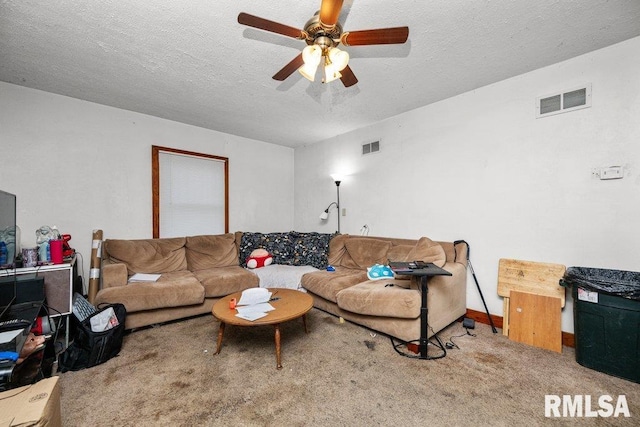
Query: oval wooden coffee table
(289,304)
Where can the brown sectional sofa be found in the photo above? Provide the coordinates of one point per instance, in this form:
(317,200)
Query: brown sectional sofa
(196,271)
(392,310)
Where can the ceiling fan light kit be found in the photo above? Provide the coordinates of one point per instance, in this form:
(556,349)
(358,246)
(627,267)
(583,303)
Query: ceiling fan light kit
(335,60)
(323,33)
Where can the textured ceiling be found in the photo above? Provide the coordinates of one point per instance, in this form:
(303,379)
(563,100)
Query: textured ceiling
(190,61)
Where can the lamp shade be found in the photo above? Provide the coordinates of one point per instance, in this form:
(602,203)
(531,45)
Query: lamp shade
(331,73)
(311,55)
(324,215)
(339,58)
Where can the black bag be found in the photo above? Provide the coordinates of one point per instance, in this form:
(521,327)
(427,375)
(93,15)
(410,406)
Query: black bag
(93,348)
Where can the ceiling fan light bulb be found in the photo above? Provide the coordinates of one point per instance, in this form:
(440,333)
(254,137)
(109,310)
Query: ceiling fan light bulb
(339,58)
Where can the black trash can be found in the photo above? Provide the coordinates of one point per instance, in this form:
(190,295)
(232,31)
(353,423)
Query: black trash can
(606,316)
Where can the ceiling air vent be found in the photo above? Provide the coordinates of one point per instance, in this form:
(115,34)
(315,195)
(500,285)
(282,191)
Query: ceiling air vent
(372,147)
(571,100)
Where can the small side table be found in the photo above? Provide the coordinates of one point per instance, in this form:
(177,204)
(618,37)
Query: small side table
(58,287)
(426,272)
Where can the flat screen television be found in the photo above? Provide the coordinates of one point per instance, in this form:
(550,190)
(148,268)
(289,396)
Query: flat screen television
(8,246)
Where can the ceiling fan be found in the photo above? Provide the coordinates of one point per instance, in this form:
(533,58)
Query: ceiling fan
(323,33)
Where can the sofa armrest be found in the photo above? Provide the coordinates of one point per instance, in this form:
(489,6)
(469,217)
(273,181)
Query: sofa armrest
(114,275)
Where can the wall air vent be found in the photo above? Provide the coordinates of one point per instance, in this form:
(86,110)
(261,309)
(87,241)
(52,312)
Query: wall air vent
(371,147)
(571,100)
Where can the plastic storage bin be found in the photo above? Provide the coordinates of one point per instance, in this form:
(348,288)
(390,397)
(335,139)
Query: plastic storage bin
(606,314)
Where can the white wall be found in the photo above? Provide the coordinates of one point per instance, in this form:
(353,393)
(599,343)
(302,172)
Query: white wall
(83,166)
(482,168)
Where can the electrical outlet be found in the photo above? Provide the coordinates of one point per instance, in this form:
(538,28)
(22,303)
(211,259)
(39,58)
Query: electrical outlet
(612,172)
(605,173)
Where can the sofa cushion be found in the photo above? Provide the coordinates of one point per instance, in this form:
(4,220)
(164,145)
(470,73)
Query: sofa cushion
(114,275)
(279,245)
(221,281)
(148,255)
(311,249)
(428,251)
(211,251)
(290,248)
(327,284)
(400,253)
(375,298)
(174,289)
(364,252)
(425,250)
(337,248)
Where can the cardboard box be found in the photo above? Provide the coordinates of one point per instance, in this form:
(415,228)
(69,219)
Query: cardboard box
(32,405)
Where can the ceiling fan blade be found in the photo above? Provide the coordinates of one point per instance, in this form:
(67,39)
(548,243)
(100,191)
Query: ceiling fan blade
(265,24)
(395,35)
(329,12)
(289,69)
(348,78)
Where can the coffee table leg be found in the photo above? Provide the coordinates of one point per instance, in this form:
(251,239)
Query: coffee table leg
(220,334)
(304,322)
(277,333)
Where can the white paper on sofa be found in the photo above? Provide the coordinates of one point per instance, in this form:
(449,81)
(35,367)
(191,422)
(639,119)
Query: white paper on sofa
(144,277)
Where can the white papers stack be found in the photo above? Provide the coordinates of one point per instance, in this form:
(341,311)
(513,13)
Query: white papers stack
(143,277)
(254,304)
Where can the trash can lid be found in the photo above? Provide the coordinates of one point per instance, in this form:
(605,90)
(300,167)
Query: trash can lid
(614,282)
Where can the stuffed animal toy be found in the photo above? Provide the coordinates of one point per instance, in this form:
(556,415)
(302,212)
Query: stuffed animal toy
(259,258)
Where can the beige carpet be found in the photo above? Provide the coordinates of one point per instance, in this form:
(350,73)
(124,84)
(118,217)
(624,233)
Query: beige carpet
(338,375)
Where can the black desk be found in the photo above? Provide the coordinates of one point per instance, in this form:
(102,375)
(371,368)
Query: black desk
(424,274)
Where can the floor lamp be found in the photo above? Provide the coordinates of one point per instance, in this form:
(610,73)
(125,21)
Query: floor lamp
(324,215)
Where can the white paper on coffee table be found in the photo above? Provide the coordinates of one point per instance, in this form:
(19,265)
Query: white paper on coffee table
(251,316)
(254,296)
(264,307)
(254,312)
